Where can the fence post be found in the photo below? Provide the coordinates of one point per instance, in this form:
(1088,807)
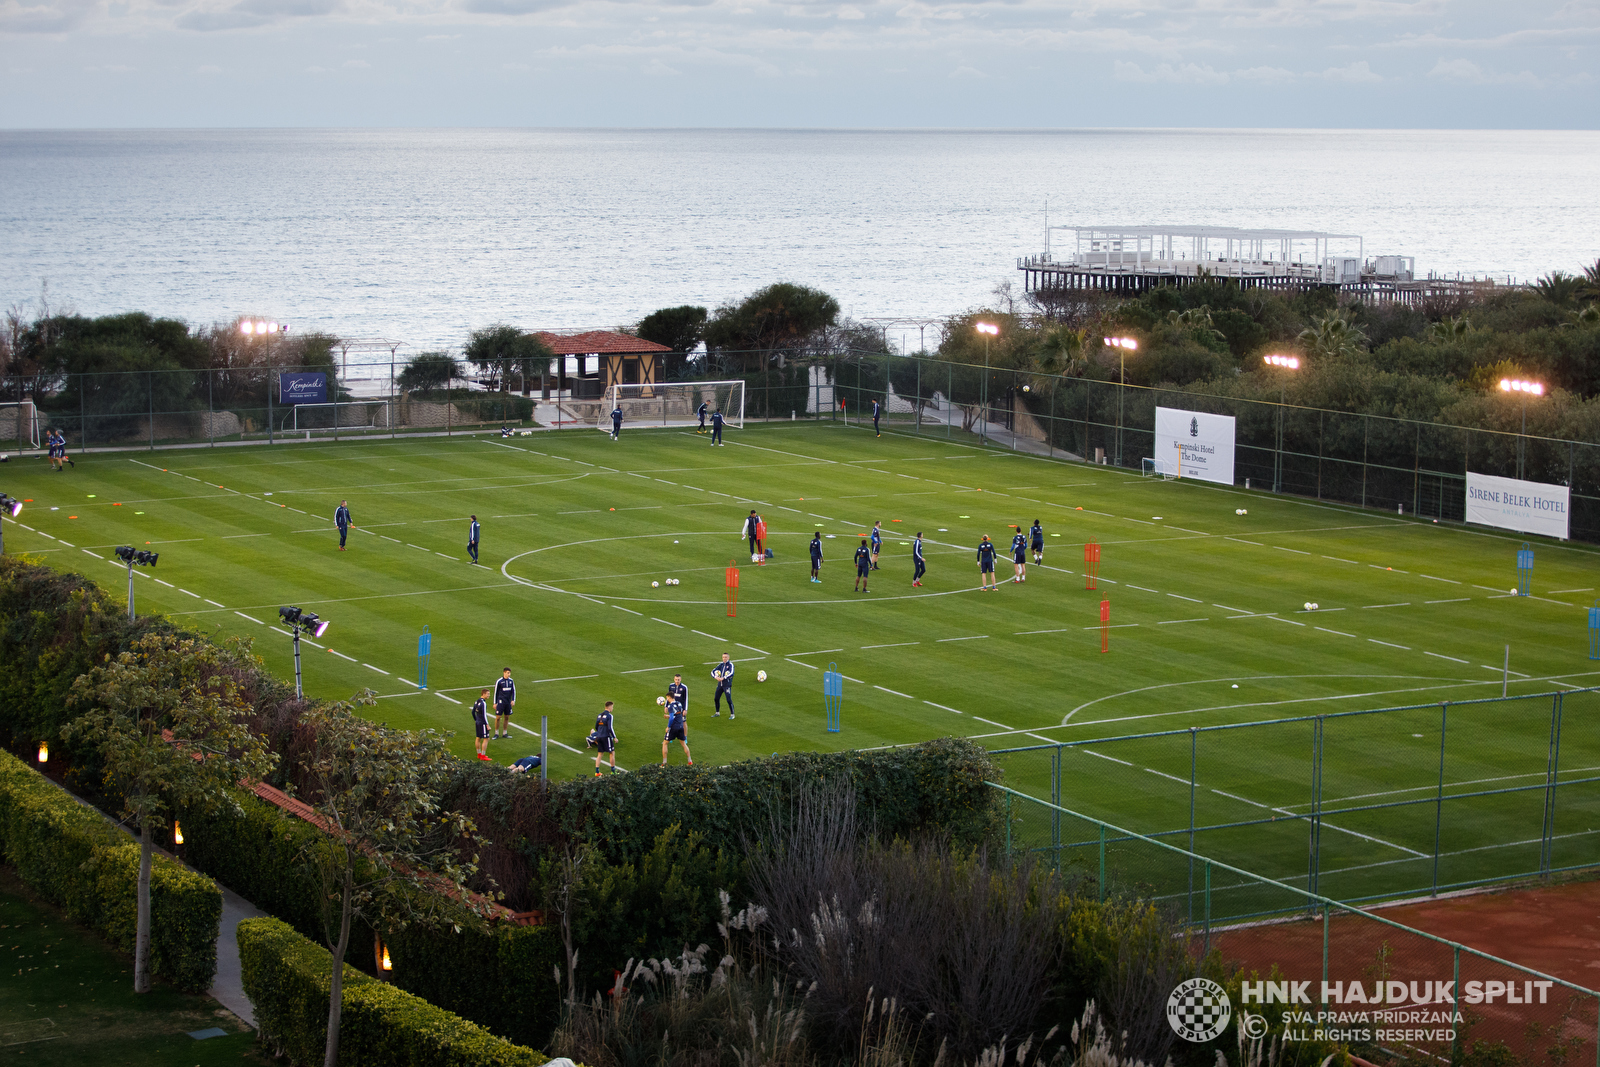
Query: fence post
(1194,740)
(1327,920)
(1207,949)
(1008,824)
(1055,799)
(211,406)
(1547,846)
(1315,834)
(150,383)
(1438,804)
(1102,881)
(1455,1040)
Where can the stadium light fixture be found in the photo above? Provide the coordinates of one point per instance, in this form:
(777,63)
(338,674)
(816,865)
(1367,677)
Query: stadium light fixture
(1123,345)
(988,329)
(301,622)
(9,506)
(135,557)
(1527,388)
(1284,363)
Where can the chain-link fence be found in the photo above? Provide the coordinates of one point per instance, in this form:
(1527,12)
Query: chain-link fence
(1366,805)
(1420,995)
(1368,460)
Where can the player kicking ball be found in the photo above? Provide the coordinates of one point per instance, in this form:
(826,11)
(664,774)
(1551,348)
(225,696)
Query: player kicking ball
(677,730)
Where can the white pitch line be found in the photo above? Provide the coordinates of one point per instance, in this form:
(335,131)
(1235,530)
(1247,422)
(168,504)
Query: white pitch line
(452,700)
(1336,559)
(713,637)
(1391,644)
(941,707)
(1456,600)
(242,615)
(1102,755)
(979,637)
(1164,774)
(1405,604)
(197,596)
(753,648)
(1142,589)
(1190,599)
(568,678)
(1225,607)
(1341,633)
(1302,552)
(818,652)
(1024,633)
(1111,626)
(647,670)
(893,692)
(1002,725)
(1452,659)
(897,644)
(1172,622)
(551,740)
(1431,578)
(630,611)
(1242,800)
(341,655)
(802,663)
(370,667)
(1291,622)
(673,624)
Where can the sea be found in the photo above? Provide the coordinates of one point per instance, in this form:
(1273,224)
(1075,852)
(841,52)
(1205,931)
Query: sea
(422,235)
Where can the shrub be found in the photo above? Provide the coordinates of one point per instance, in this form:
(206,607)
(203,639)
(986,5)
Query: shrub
(287,979)
(74,858)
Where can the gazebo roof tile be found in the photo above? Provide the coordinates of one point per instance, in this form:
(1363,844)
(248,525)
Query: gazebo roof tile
(600,342)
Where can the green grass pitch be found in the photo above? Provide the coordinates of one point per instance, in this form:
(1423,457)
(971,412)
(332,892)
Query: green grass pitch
(1208,623)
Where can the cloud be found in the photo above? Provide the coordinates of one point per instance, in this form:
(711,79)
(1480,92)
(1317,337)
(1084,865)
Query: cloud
(16,17)
(356,64)
(965,71)
(849,13)
(248,14)
(1355,73)
(1201,74)
(1184,73)
(1464,70)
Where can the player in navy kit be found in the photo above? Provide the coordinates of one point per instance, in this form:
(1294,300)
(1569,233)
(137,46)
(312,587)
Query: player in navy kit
(916,557)
(505,698)
(616,423)
(679,692)
(716,428)
(863,565)
(677,730)
(480,724)
(472,538)
(986,563)
(604,737)
(877,542)
(816,558)
(723,673)
(877,410)
(702,414)
(341,519)
(1037,535)
(1019,556)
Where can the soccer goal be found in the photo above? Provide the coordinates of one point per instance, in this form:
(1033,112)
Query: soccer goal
(1165,468)
(345,415)
(19,422)
(674,404)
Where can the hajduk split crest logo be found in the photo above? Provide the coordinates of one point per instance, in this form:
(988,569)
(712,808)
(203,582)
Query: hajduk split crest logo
(1199,1010)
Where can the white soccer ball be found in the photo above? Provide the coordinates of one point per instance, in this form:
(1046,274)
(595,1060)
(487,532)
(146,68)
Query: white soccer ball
(1238,511)
(661,701)
(1513,592)
(761,676)
(1313,605)
(1244,511)
(1308,605)
(655,585)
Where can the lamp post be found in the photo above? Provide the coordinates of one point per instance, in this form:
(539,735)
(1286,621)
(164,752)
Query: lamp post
(1123,345)
(10,507)
(1526,388)
(1287,363)
(988,329)
(301,621)
(129,555)
(264,329)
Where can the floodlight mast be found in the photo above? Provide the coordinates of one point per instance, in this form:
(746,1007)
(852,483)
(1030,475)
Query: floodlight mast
(130,556)
(297,621)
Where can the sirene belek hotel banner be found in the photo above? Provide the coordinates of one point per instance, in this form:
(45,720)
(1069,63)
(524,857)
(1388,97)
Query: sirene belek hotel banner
(1512,504)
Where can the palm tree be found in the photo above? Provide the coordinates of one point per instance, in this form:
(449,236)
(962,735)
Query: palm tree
(1560,288)
(1586,318)
(1196,320)
(1333,336)
(1591,282)
(1449,331)
(1059,351)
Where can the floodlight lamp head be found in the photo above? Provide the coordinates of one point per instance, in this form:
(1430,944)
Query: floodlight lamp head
(145,558)
(125,553)
(987,327)
(289,615)
(319,628)
(10,505)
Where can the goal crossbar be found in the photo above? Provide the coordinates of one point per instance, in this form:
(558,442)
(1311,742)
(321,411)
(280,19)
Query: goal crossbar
(19,422)
(673,404)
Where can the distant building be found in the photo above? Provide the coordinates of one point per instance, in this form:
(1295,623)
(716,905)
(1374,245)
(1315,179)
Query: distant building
(618,359)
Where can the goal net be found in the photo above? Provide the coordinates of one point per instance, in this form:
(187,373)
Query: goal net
(1167,469)
(673,404)
(19,424)
(345,415)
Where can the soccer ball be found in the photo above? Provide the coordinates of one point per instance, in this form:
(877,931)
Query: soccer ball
(1313,605)
(755,559)
(1238,511)
(761,676)
(655,585)
(1308,605)
(662,701)
(672,581)
(1513,592)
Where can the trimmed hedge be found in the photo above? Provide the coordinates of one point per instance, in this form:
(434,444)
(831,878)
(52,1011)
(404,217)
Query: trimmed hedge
(287,979)
(74,858)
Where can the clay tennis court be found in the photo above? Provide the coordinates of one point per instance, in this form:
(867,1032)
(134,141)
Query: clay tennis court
(1553,929)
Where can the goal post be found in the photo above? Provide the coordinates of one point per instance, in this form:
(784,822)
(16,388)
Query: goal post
(343,415)
(19,423)
(673,404)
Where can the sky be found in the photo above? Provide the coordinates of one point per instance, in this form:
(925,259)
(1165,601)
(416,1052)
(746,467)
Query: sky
(1472,64)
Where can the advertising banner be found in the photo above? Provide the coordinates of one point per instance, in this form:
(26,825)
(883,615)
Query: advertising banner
(1193,444)
(1511,504)
(303,388)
